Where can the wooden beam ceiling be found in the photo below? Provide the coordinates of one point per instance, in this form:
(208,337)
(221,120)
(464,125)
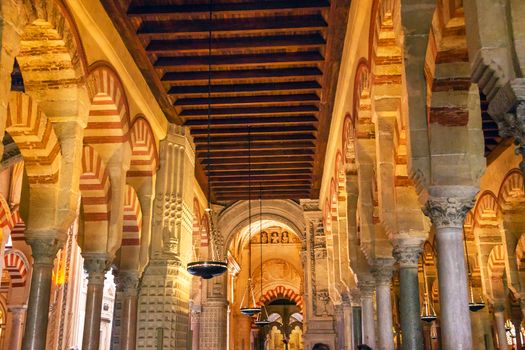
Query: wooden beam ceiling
(273,67)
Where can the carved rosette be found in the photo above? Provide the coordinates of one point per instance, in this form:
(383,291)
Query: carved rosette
(448,211)
(407,255)
(44,250)
(96,266)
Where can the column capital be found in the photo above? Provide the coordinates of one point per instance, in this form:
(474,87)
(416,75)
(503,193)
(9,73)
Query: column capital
(367,287)
(382,271)
(447,206)
(96,265)
(407,254)
(44,250)
(128,282)
(498,307)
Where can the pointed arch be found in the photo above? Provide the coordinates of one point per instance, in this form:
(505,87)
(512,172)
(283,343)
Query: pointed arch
(144,155)
(35,137)
(108,120)
(94,186)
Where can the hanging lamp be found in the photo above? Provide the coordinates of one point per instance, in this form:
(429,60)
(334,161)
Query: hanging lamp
(473,305)
(250,308)
(429,314)
(262,318)
(214,266)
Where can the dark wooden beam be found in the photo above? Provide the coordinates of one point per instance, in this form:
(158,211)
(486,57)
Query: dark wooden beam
(260,178)
(263,160)
(275,195)
(256,153)
(307,41)
(283,167)
(271,7)
(279,183)
(250,74)
(258,189)
(254,138)
(242,60)
(254,146)
(242,25)
(254,121)
(267,110)
(243,88)
(246,100)
(236,173)
(281,129)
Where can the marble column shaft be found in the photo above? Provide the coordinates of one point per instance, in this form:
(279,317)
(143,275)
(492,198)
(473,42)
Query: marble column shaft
(499,317)
(410,313)
(17,325)
(44,252)
(95,265)
(383,276)
(447,214)
(128,334)
(367,308)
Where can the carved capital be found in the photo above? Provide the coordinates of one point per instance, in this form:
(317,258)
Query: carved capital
(96,265)
(128,282)
(448,211)
(498,307)
(407,255)
(44,250)
(382,271)
(367,287)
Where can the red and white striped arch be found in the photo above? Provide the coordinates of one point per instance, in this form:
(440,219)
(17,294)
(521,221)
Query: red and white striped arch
(19,227)
(144,155)
(35,137)
(108,120)
(496,262)
(132,223)
(281,292)
(6,220)
(16,266)
(94,186)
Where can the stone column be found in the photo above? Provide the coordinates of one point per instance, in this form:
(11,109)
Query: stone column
(95,265)
(447,208)
(129,281)
(348,324)
(17,325)
(195,326)
(517,326)
(499,318)
(407,256)
(367,288)
(213,322)
(44,252)
(383,275)
(165,286)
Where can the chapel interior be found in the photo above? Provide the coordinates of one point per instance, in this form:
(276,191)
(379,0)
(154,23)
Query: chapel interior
(262,174)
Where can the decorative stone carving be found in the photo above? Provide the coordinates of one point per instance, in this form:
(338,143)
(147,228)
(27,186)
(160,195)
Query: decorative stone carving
(382,271)
(366,287)
(128,282)
(448,211)
(407,255)
(96,265)
(44,250)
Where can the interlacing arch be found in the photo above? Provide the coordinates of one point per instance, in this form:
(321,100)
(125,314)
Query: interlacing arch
(281,292)
(108,120)
(132,223)
(35,137)
(15,264)
(94,186)
(144,155)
